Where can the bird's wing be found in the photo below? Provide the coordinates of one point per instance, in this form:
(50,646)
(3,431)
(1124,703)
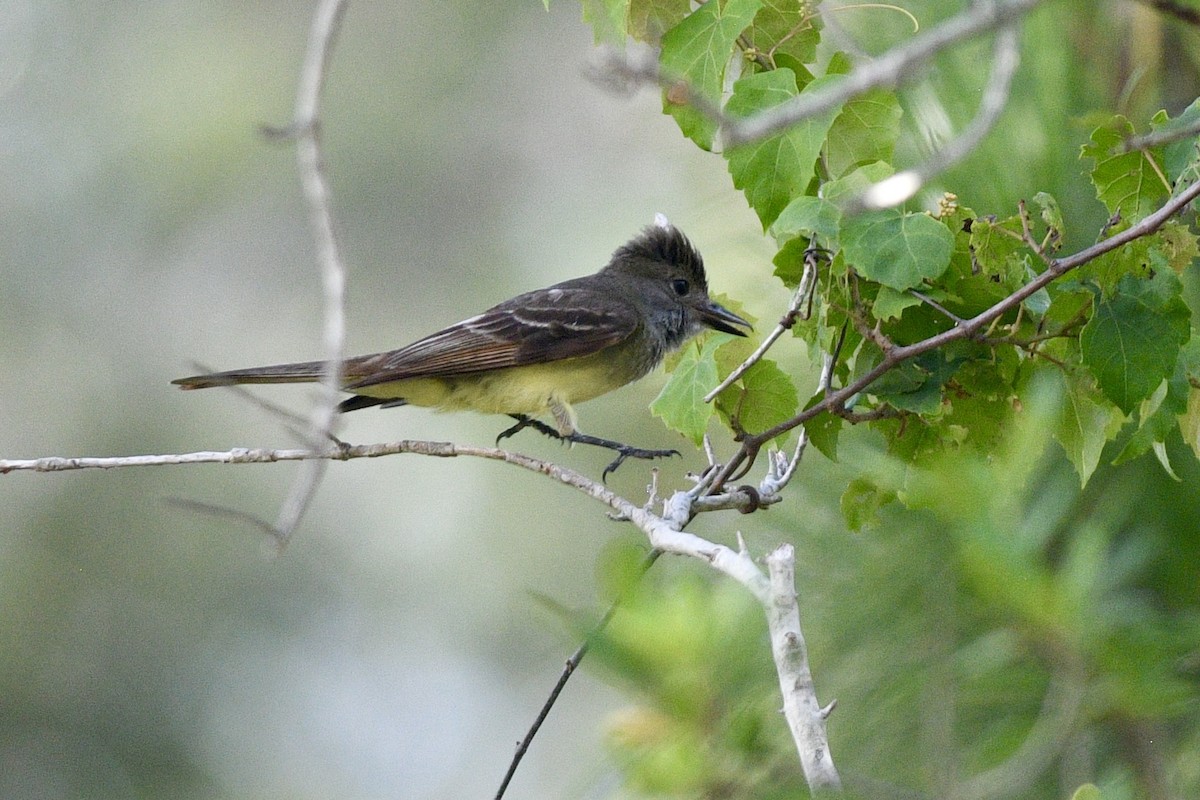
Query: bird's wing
(563,321)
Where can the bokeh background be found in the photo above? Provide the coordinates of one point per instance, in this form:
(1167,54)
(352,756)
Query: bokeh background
(404,641)
(398,648)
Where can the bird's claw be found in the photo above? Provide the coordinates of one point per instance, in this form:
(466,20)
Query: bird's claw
(625,451)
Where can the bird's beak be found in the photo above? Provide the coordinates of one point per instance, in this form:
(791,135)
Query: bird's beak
(720,318)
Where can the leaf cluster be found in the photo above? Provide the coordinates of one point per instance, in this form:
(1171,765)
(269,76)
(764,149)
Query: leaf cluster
(1116,333)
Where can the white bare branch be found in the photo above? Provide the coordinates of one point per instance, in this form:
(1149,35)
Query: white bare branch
(310,163)
(805,716)
(887,70)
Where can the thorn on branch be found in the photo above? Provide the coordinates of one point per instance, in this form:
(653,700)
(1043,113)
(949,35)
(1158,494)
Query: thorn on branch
(651,490)
(291,131)
(1112,222)
(828,709)
(936,306)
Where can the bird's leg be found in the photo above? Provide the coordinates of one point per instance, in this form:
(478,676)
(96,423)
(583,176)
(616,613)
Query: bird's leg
(524,422)
(623,451)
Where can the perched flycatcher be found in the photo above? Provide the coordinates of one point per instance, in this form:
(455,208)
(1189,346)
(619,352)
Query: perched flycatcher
(540,352)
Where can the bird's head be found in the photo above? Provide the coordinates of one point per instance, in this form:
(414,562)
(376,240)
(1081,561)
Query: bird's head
(671,272)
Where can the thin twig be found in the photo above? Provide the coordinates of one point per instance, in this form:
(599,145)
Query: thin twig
(785,469)
(936,306)
(802,294)
(1031,241)
(569,668)
(310,163)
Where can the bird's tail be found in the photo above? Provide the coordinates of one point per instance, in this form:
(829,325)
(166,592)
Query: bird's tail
(300,372)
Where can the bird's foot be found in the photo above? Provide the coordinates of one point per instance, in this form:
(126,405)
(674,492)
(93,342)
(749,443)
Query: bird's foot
(623,451)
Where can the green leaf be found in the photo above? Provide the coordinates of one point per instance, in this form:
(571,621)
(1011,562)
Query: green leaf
(998,256)
(1125,182)
(824,429)
(785,27)
(807,216)
(774,171)
(861,503)
(865,131)
(1132,341)
(897,249)
(916,385)
(1088,791)
(1189,421)
(763,397)
(890,304)
(1158,416)
(1086,423)
(1107,270)
(1177,244)
(613,21)
(650,19)
(855,182)
(734,349)
(681,404)
(698,50)
(1039,301)
(1051,215)
(608,18)
(789,262)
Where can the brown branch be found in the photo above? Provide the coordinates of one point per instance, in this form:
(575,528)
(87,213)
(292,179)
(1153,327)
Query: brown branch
(859,417)
(901,353)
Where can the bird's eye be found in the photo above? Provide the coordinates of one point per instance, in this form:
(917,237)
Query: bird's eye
(680,286)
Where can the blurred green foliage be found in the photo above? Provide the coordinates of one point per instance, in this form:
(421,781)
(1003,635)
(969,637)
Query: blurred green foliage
(1004,604)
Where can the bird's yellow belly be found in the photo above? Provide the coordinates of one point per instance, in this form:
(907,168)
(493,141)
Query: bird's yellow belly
(529,389)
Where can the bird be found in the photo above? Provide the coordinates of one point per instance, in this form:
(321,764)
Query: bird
(541,352)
